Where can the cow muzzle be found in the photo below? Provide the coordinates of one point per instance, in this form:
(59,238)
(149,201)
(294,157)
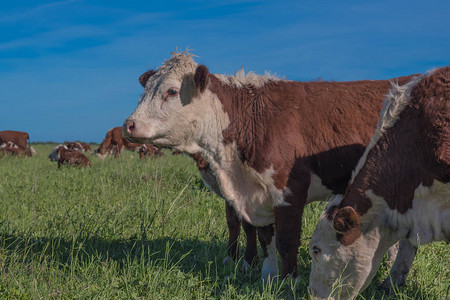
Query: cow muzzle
(129,127)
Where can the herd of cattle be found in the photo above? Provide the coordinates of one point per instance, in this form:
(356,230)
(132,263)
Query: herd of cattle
(71,153)
(378,150)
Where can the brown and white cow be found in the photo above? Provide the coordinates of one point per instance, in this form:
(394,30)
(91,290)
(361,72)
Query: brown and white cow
(114,143)
(79,146)
(273,145)
(400,190)
(72,157)
(13,149)
(19,138)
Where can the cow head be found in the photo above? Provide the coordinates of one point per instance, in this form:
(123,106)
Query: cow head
(345,252)
(174,108)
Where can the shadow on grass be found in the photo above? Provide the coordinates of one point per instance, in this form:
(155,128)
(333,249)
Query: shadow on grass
(191,256)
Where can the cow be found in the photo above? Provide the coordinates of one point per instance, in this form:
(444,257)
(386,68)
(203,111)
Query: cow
(19,138)
(79,146)
(400,190)
(72,157)
(149,150)
(54,156)
(113,143)
(85,147)
(273,145)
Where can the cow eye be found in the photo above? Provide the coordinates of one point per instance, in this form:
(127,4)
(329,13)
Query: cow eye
(172,92)
(316,250)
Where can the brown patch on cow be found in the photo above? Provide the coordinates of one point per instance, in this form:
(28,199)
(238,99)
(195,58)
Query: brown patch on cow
(18,138)
(201,78)
(321,127)
(415,151)
(144,77)
(201,162)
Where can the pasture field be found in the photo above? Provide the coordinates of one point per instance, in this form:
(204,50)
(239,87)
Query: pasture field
(131,229)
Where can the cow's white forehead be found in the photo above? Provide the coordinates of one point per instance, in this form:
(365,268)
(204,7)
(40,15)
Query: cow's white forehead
(176,67)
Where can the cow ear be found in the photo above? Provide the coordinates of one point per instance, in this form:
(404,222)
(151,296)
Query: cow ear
(201,78)
(347,225)
(144,77)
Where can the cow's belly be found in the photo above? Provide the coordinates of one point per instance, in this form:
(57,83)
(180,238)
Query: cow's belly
(253,195)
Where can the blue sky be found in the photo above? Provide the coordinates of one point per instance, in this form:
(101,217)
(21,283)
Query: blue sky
(69,69)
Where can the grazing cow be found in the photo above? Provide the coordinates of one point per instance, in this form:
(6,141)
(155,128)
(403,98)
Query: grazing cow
(19,138)
(273,145)
(72,157)
(114,143)
(400,190)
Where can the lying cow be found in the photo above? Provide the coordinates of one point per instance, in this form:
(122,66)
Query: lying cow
(400,190)
(72,157)
(273,145)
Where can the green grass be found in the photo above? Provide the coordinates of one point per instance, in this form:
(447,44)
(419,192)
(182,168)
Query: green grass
(129,229)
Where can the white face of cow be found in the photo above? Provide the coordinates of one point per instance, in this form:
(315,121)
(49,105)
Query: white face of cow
(174,108)
(340,268)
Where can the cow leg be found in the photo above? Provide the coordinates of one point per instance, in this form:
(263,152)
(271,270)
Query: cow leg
(234,228)
(251,249)
(267,240)
(288,222)
(288,228)
(402,265)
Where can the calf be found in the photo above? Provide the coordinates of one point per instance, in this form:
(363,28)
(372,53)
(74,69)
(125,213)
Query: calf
(273,145)
(400,190)
(72,157)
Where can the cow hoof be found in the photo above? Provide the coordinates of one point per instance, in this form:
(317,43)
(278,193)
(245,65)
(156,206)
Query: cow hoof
(227,260)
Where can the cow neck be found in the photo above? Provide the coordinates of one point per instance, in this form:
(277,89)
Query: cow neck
(405,157)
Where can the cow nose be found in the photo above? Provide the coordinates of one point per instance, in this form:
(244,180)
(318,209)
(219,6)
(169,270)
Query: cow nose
(129,127)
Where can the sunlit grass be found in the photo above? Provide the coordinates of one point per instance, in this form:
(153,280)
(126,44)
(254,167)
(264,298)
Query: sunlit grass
(128,229)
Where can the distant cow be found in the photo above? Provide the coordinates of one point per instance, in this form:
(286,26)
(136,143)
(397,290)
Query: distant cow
(14,150)
(54,156)
(400,190)
(149,151)
(79,146)
(273,145)
(19,138)
(113,143)
(72,157)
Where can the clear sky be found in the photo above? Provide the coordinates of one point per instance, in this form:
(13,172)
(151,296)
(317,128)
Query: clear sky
(69,69)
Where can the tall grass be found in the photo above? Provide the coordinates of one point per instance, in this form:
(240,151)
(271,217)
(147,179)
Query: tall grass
(128,229)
